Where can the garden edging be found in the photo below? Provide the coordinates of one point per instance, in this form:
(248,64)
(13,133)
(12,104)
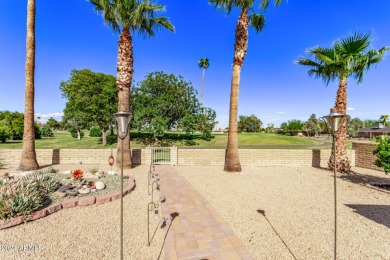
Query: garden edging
(69,203)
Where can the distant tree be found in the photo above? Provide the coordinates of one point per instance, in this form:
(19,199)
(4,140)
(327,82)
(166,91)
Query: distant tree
(312,126)
(205,119)
(250,124)
(28,159)
(53,124)
(292,127)
(384,119)
(92,99)
(370,122)
(203,64)
(248,17)
(13,124)
(163,102)
(5,130)
(353,125)
(129,17)
(348,57)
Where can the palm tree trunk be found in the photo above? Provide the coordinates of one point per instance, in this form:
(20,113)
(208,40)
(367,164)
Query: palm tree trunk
(232,160)
(28,158)
(201,88)
(125,75)
(343,164)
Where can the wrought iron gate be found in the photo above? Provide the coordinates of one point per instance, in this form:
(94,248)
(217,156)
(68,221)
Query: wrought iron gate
(161,155)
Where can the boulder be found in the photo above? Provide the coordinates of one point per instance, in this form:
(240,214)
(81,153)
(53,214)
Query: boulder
(100,185)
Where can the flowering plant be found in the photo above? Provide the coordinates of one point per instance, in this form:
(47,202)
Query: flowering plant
(77,174)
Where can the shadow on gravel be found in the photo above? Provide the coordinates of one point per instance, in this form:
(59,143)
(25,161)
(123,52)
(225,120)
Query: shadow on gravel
(173,216)
(378,213)
(359,178)
(262,212)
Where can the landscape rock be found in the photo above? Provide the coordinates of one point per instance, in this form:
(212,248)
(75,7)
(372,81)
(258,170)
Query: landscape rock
(111,172)
(100,185)
(59,194)
(67,172)
(84,191)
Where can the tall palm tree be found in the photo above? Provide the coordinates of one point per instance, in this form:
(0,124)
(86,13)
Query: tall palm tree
(28,159)
(232,161)
(384,119)
(204,64)
(347,57)
(128,17)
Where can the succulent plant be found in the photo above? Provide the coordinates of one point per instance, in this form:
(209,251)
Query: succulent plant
(21,197)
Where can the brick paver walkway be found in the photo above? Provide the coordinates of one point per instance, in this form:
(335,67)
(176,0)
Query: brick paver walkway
(196,231)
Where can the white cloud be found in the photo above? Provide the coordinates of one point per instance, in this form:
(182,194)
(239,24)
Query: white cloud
(281,113)
(350,108)
(44,117)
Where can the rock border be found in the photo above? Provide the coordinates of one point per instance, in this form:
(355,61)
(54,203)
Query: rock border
(69,203)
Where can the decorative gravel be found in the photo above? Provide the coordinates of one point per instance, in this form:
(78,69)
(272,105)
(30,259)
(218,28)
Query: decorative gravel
(288,212)
(90,232)
(278,213)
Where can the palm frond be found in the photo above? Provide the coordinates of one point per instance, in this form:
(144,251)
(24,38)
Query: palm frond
(257,21)
(223,5)
(265,3)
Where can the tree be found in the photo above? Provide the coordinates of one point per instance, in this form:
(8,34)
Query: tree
(370,122)
(52,123)
(129,17)
(232,161)
(384,119)
(28,159)
(353,125)
(312,126)
(163,102)
(292,127)
(92,99)
(249,124)
(349,57)
(5,130)
(204,64)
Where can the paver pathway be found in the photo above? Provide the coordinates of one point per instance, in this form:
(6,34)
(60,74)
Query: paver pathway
(197,231)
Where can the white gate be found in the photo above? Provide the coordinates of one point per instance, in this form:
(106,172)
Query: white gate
(161,155)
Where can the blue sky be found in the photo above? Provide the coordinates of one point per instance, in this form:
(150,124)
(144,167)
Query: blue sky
(73,36)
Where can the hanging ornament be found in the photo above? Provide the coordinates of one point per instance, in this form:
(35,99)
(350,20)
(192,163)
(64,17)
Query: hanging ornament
(111,159)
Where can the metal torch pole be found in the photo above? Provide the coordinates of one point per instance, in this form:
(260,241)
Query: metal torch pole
(335,196)
(121,233)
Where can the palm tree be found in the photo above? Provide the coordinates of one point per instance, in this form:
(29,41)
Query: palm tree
(232,161)
(384,119)
(128,17)
(347,57)
(28,159)
(204,64)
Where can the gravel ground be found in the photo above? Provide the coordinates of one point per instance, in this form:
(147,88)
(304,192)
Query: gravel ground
(299,212)
(88,232)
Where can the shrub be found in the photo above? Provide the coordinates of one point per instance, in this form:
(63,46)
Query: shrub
(382,152)
(21,197)
(95,132)
(47,132)
(73,132)
(111,139)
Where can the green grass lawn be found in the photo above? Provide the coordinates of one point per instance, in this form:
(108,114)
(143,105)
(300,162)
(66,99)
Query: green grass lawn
(63,140)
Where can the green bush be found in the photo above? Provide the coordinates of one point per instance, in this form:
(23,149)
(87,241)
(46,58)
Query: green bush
(21,197)
(73,132)
(95,132)
(47,132)
(382,152)
(112,139)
